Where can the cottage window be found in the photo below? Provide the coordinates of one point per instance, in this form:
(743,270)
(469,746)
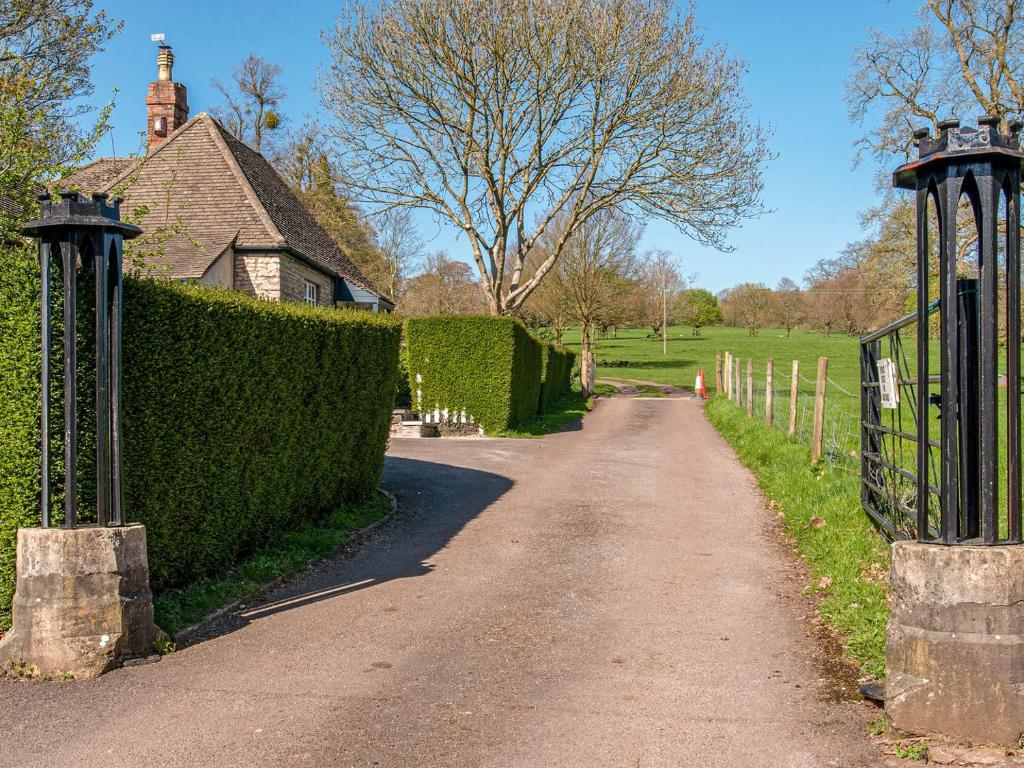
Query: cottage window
(312,293)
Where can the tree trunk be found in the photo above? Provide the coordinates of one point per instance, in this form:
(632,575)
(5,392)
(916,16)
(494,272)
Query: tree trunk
(587,362)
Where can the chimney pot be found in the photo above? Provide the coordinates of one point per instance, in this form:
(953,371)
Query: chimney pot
(164,64)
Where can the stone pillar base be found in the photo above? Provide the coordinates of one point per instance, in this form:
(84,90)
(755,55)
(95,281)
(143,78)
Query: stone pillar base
(955,642)
(82,603)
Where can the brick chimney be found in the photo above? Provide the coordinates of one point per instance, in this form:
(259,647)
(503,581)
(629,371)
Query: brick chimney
(167,102)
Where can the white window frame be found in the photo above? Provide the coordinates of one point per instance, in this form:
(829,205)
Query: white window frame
(311,293)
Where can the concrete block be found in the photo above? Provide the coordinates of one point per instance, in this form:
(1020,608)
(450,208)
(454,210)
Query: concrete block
(82,602)
(955,641)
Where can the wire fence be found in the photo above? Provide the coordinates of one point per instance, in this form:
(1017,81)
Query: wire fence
(790,401)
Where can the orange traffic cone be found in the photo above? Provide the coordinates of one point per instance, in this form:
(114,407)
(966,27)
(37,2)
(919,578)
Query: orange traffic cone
(698,386)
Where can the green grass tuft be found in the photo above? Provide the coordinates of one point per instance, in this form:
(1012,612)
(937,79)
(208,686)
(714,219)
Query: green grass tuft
(848,559)
(568,409)
(605,389)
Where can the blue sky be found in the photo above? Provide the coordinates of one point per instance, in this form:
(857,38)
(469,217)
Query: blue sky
(798,53)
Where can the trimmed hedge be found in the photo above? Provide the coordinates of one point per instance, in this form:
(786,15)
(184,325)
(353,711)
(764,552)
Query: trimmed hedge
(19,407)
(489,366)
(556,374)
(241,418)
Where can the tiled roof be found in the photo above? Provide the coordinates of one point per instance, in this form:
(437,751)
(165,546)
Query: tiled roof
(8,206)
(98,174)
(297,226)
(180,256)
(223,192)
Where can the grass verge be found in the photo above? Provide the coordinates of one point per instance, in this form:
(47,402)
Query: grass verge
(570,408)
(289,554)
(847,558)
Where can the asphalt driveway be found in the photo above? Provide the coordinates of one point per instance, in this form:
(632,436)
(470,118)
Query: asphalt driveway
(607,596)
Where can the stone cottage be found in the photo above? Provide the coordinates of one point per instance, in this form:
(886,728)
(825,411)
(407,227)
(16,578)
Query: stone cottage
(225,216)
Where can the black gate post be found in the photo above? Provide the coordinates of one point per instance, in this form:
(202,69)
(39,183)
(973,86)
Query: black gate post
(88,234)
(955,639)
(983,167)
(82,605)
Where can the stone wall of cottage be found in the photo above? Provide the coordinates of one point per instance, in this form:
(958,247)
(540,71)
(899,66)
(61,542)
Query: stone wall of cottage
(259,275)
(295,275)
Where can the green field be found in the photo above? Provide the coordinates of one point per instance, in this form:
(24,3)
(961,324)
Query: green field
(688,353)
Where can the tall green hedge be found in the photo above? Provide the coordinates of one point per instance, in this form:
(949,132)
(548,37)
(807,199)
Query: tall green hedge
(489,366)
(556,374)
(241,418)
(19,407)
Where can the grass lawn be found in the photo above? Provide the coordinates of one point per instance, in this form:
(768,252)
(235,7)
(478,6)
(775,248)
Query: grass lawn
(688,353)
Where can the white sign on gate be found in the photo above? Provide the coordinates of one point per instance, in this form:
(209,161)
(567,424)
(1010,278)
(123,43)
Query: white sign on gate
(890,393)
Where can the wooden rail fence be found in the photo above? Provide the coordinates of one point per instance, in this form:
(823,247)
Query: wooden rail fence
(728,382)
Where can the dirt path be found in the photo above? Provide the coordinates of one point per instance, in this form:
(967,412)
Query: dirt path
(603,597)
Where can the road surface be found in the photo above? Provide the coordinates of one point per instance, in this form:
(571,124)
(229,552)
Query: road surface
(607,596)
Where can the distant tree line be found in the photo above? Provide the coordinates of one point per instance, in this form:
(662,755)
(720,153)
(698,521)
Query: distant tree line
(840,295)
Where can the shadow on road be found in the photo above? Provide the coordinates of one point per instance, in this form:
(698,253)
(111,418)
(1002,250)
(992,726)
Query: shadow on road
(435,501)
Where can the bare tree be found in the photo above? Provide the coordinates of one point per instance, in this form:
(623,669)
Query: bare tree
(787,304)
(658,286)
(590,283)
(965,56)
(445,287)
(840,303)
(748,305)
(251,100)
(501,115)
(400,245)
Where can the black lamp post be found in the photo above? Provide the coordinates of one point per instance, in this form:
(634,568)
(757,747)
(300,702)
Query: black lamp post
(982,165)
(85,234)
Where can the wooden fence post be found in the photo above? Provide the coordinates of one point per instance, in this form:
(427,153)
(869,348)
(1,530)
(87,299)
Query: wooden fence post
(728,376)
(794,394)
(770,366)
(718,373)
(819,409)
(737,394)
(750,387)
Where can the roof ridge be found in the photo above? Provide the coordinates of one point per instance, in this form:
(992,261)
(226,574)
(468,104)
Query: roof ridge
(216,132)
